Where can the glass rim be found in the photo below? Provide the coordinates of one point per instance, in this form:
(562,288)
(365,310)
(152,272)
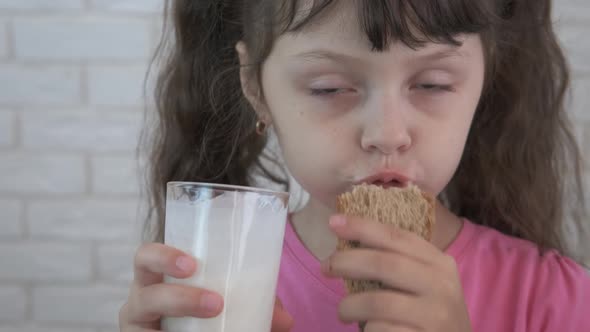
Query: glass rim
(227,187)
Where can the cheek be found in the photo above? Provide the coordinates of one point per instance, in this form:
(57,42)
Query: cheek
(302,132)
(444,152)
(304,144)
(313,153)
(309,164)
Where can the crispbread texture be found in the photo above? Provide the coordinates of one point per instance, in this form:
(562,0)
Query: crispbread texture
(408,208)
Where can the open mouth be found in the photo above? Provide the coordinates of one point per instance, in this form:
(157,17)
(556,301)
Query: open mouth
(387,179)
(390,184)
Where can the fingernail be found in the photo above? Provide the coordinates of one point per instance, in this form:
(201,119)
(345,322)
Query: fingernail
(185,263)
(337,221)
(211,302)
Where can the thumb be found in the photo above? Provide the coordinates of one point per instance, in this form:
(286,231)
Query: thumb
(281,320)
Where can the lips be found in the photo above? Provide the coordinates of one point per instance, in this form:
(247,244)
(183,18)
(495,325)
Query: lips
(389,184)
(387,179)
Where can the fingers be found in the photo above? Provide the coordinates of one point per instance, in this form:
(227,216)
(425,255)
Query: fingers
(394,270)
(281,320)
(172,300)
(387,237)
(153,260)
(150,299)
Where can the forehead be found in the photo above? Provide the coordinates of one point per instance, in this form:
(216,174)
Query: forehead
(335,26)
(339,29)
(380,23)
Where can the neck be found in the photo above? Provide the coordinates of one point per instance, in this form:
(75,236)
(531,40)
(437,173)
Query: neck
(311,225)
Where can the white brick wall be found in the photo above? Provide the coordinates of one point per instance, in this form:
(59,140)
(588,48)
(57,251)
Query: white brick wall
(112,219)
(41,4)
(71,107)
(7,128)
(81,130)
(41,173)
(128,6)
(94,305)
(3,40)
(113,263)
(40,84)
(114,174)
(84,37)
(581,103)
(43,261)
(568,11)
(116,85)
(13,301)
(572,35)
(71,94)
(11,225)
(42,328)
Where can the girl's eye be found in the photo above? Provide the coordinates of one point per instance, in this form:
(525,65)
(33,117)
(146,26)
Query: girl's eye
(434,87)
(327,92)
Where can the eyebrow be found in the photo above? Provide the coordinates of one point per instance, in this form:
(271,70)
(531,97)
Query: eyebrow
(452,52)
(324,54)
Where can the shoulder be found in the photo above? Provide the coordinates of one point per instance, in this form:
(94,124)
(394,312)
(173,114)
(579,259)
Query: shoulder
(553,289)
(498,248)
(560,295)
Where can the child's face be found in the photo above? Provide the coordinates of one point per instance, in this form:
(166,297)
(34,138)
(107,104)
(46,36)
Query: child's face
(343,113)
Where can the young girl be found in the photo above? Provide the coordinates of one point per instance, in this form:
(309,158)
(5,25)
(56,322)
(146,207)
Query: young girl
(463,98)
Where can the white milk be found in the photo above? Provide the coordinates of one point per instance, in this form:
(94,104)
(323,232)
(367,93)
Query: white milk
(237,239)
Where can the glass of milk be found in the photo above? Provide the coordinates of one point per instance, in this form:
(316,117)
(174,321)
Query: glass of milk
(236,234)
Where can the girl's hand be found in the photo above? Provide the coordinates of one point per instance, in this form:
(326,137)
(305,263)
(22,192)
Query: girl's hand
(281,320)
(150,299)
(425,294)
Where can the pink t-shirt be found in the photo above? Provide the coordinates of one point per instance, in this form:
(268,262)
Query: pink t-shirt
(507,285)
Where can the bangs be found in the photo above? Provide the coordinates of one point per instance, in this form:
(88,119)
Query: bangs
(414,23)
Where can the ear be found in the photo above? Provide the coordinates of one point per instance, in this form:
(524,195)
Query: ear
(250,86)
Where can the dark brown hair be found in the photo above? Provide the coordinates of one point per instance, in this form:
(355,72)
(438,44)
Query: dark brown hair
(521,169)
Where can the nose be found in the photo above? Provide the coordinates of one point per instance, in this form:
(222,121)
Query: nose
(386,128)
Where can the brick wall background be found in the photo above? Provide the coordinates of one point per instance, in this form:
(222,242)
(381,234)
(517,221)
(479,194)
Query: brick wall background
(71,75)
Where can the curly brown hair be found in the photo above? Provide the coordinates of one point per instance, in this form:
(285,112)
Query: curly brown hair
(521,169)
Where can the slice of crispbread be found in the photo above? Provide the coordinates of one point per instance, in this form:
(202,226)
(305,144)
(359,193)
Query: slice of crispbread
(408,208)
